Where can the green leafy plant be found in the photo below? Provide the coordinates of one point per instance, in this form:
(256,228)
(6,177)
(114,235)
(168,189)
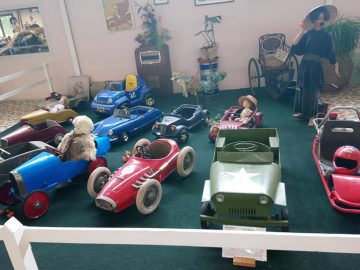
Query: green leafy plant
(153,34)
(209,86)
(346,33)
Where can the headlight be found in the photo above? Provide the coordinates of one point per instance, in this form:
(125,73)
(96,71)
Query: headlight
(220,198)
(109,101)
(111,132)
(263,200)
(214,129)
(173,128)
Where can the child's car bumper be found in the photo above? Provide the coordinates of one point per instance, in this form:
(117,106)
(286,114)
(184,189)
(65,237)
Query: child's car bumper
(102,108)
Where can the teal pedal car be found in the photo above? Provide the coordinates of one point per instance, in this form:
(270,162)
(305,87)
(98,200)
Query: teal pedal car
(245,185)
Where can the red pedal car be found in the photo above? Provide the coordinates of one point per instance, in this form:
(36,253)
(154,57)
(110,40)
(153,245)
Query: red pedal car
(138,181)
(48,131)
(337,157)
(228,121)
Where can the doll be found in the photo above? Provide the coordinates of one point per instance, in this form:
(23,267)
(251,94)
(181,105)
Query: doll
(248,103)
(59,106)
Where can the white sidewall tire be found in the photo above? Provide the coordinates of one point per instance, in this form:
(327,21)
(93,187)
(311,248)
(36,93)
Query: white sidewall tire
(180,161)
(93,177)
(146,210)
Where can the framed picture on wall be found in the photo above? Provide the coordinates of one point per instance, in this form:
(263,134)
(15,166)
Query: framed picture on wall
(161,2)
(210,2)
(118,15)
(22,32)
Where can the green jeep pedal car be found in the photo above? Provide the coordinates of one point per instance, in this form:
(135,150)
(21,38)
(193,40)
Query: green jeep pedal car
(245,185)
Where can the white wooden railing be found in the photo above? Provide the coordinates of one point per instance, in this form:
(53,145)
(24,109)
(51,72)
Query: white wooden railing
(17,239)
(23,73)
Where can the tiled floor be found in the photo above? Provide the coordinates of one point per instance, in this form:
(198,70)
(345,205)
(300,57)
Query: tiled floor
(12,110)
(348,96)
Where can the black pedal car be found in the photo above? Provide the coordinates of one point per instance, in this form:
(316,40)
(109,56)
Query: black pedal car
(182,119)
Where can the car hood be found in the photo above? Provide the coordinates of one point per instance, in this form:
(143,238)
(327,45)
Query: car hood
(126,175)
(34,114)
(347,187)
(170,119)
(22,131)
(102,128)
(104,95)
(37,163)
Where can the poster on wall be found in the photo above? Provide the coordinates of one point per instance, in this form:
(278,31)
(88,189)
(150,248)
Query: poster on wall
(118,15)
(22,32)
(210,2)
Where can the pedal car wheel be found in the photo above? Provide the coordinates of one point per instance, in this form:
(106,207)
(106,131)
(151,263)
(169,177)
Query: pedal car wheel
(205,120)
(284,215)
(141,142)
(98,162)
(149,100)
(6,195)
(124,137)
(70,120)
(36,204)
(58,138)
(149,196)
(183,136)
(186,161)
(205,210)
(97,180)
(254,76)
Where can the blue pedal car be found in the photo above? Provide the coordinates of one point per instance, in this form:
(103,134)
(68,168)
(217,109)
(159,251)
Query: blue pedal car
(125,122)
(31,181)
(130,92)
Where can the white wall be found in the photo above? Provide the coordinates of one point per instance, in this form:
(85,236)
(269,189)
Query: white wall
(58,59)
(106,56)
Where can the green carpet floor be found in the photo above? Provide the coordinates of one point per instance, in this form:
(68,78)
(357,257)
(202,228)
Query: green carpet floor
(309,209)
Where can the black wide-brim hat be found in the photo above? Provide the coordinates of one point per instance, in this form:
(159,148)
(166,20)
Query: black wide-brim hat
(332,15)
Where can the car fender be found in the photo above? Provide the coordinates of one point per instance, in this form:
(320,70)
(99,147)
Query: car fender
(103,145)
(121,100)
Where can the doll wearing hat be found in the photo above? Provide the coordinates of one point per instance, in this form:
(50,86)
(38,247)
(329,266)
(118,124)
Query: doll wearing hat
(248,103)
(314,43)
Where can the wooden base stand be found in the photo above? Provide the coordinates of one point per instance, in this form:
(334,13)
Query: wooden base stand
(246,262)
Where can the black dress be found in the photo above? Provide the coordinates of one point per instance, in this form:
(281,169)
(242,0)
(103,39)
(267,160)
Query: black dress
(314,44)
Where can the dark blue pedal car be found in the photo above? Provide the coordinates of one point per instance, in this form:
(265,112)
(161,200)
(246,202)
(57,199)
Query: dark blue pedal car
(31,181)
(126,122)
(182,119)
(130,92)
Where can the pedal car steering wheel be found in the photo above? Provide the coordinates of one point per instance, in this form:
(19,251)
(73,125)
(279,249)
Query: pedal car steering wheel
(143,152)
(245,147)
(4,151)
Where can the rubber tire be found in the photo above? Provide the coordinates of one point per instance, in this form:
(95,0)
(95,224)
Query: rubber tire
(142,142)
(181,159)
(146,210)
(58,138)
(93,191)
(205,210)
(29,202)
(256,85)
(181,133)
(124,137)
(284,215)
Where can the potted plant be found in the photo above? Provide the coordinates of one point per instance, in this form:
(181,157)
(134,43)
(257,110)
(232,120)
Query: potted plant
(208,60)
(152,56)
(345,33)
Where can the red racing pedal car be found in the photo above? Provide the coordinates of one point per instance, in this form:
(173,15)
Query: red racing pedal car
(337,157)
(138,180)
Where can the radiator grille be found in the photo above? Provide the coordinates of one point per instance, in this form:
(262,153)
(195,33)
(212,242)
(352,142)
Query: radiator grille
(242,211)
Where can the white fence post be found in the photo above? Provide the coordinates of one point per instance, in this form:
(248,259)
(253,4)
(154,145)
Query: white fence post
(19,250)
(47,76)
